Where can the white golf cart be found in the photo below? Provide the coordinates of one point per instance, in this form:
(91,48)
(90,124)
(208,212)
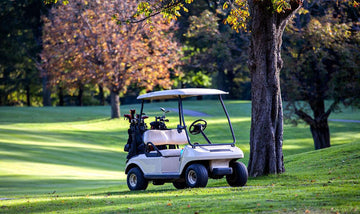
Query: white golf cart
(164,155)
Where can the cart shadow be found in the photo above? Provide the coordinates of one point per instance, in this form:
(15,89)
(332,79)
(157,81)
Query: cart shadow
(128,192)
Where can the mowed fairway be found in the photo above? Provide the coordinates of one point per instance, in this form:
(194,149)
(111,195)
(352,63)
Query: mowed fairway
(71,160)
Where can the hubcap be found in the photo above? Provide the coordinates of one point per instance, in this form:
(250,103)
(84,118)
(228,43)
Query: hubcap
(132,180)
(192,177)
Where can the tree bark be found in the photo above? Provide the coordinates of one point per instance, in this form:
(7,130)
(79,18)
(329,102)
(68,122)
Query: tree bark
(61,96)
(80,96)
(320,128)
(221,79)
(265,63)
(46,89)
(319,124)
(101,95)
(321,134)
(115,104)
(28,95)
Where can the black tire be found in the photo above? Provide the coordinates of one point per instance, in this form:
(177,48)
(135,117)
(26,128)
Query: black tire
(239,176)
(196,176)
(180,184)
(136,180)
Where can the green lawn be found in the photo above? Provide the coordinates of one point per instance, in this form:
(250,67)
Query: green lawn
(71,159)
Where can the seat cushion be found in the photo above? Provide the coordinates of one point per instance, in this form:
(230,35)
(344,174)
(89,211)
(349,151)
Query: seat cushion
(165,137)
(171,152)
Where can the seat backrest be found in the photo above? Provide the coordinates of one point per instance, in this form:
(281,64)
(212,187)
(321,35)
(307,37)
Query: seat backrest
(164,137)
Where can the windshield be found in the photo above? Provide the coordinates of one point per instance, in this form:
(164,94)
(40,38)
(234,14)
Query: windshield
(212,127)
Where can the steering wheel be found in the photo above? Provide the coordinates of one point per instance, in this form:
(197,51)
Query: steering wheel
(197,126)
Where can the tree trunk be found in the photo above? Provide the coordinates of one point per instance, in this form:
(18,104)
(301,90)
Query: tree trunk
(28,96)
(101,95)
(320,128)
(231,86)
(221,80)
(266,134)
(61,96)
(319,125)
(321,134)
(46,90)
(80,96)
(115,104)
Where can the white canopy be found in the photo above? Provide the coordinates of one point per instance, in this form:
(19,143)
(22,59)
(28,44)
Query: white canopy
(184,92)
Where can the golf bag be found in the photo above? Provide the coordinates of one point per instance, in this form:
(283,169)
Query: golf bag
(135,144)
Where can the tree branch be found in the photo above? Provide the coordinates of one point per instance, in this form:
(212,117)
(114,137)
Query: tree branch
(331,109)
(308,119)
(132,20)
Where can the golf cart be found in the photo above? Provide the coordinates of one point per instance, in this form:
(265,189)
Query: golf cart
(161,155)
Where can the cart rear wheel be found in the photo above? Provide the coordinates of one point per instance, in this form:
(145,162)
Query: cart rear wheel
(239,176)
(196,176)
(136,180)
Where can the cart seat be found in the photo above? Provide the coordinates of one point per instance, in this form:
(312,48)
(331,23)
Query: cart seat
(171,152)
(165,137)
(167,153)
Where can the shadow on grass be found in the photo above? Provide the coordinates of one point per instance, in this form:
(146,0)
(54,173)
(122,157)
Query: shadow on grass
(10,115)
(128,192)
(28,186)
(92,137)
(63,155)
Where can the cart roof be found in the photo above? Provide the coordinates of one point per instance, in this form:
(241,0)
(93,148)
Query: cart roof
(184,92)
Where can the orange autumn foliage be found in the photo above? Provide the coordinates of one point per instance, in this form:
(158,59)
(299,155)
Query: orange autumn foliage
(83,43)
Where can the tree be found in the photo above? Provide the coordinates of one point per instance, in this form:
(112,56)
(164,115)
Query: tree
(84,44)
(265,63)
(324,59)
(212,48)
(20,43)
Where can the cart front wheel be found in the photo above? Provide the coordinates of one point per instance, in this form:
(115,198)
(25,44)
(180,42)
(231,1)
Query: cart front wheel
(239,176)
(196,176)
(136,180)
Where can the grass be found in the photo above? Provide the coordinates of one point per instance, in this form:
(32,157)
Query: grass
(71,160)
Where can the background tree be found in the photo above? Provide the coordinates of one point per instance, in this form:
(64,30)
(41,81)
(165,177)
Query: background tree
(213,49)
(84,44)
(323,64)
(20,43)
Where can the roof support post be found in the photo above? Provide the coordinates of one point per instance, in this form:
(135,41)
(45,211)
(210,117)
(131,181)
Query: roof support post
(228,118)
(182,119)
